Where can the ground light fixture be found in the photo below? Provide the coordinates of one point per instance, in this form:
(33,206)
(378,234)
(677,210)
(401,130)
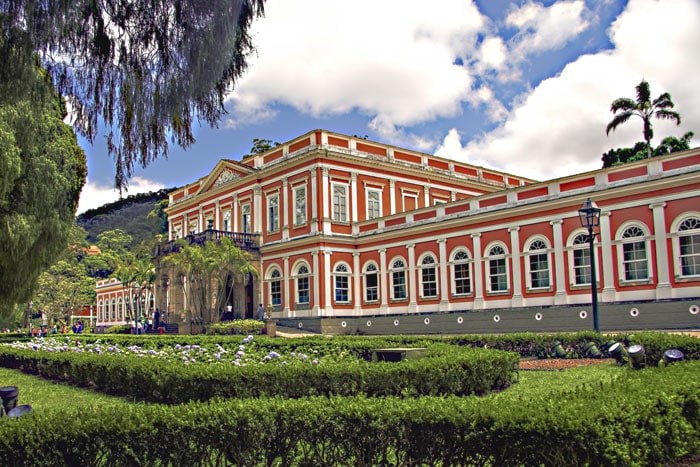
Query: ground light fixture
(672,356)
(558,350)
(637,356)
(618,352)
(589,215)
(592,350)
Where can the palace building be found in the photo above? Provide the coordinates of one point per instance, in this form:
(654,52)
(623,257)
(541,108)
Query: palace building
(354,236)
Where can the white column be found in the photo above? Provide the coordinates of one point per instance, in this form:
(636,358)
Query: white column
(392,196)
(383,286)
(443,277)
(313,194)
(605,258)
(412,285)
(478,273)
(285,209)
(235,208)
(426,196)
(517,277)
(330,286)
(353,196)
(317,293)
(257,223)
(356,282)
(200,220)
(325,187)
(663,286)
(288,286)
(217,225)
(559,268)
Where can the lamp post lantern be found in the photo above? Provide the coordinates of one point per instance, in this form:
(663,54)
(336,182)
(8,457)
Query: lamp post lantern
(589,215)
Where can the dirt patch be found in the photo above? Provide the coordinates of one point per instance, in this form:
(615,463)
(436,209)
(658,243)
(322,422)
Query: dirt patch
(561,363)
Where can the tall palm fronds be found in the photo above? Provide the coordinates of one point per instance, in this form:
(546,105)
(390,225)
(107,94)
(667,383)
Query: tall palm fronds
(645,108)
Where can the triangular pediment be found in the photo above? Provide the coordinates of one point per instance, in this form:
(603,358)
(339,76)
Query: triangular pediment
(225,171)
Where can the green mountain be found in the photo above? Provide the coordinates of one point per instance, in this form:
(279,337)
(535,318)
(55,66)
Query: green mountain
(131,214)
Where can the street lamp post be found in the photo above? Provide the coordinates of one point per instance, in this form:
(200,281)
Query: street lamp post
(589,215)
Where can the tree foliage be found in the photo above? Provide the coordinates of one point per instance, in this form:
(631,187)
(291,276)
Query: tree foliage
(641,150)
(624,108)
(42,170)
(206,271)
(260,146)
(147,68)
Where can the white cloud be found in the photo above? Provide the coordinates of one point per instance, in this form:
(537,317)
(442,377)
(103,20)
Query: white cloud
(94,196)
(396,65)
(559,127)
(546,28)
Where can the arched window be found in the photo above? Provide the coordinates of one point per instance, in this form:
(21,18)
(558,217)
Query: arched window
(113,313)
(275,287)
(227,221)
(461,273)
(635,264)
(342,283)
(371,277)
(303,284)
(581,260)
(498,269)
(687,246)
(120,309)
(538,265)
(398,280)
(428,277)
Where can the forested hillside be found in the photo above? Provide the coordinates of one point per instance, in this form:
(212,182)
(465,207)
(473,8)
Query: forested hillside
(130,214)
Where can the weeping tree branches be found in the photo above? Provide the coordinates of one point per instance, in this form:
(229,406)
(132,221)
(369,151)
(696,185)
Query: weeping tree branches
(146,68)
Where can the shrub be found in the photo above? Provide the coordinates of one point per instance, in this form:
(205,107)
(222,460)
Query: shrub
(238,326)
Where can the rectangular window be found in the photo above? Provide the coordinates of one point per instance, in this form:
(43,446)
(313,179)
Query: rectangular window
(273,217)
(429,281)
(341,289)
(497,275)
(300,205)
(245,218)
(539,271)
(276,293)
(690,255)
(582,267)
(371,287)
(462,280)
(398,279)
(340,203)
(635,261)
(374,208)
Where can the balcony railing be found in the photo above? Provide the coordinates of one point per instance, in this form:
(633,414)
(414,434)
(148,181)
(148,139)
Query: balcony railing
(245,241)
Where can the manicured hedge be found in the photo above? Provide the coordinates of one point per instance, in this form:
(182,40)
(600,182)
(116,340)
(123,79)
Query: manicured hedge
(643,417)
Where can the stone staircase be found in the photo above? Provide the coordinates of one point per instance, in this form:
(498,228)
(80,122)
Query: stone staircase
(168,328)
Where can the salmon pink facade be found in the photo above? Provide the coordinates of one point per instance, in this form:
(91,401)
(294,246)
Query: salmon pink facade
(360,232)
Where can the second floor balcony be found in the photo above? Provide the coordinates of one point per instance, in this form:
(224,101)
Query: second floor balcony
(244,241)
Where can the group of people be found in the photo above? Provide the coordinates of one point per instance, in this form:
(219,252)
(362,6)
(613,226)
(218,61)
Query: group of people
(141,326)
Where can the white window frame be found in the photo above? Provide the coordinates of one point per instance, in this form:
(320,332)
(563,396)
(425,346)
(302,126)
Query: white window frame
(370,269)
(246,221)
(455,263)
(227,221)
(530,254)
(684,221)
(339,202)
(426,263)
(622,243)
(302,274)
(394,273)
(274,275)
(585,247)
(493,258)
(374,207)
(343,273)
(299,208)
(273,212)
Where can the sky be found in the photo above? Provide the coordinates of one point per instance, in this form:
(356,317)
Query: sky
(524,87)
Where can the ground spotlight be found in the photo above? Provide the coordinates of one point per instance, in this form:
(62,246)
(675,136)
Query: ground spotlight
(558,350)
(637,356)
(618,352)
(672,356)
(592,350)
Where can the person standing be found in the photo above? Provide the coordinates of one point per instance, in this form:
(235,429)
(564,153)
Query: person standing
(261,312)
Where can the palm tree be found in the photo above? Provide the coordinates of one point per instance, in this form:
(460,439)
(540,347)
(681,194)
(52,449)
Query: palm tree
(624,108)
